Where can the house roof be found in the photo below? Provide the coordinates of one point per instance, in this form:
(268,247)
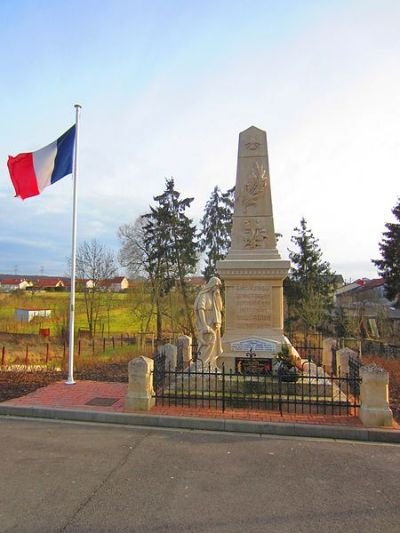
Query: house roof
(12,281)
(372,283)
(48,282)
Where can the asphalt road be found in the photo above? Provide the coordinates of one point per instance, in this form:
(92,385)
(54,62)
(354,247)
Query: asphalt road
(75,477)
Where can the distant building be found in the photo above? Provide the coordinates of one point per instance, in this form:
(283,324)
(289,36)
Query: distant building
(116,284)
(27,314)
(13,284)
(365,300)
(48,284)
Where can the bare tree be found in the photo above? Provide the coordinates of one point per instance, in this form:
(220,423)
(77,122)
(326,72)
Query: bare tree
(136,256)
(95,265)
(133,254)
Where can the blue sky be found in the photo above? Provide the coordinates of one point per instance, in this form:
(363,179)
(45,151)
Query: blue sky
(166,87)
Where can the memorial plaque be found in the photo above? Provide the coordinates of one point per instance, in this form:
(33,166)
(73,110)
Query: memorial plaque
(253,366)
(258,345)
(252,306)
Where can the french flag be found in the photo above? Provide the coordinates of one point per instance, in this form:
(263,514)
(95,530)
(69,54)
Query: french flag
(34,171)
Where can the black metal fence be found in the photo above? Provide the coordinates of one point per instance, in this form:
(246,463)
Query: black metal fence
(373,347)
(303,393)
(310,347)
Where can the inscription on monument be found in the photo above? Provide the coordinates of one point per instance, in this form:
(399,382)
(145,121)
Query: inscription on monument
(254,344)
(253,306)
(253,367)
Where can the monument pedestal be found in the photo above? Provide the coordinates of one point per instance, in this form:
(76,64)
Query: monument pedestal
(254,309)
(253,271)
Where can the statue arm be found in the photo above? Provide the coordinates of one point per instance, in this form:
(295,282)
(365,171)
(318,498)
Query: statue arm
(202,323)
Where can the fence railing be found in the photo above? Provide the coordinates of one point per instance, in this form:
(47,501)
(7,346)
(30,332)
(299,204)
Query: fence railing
(46,353)
(304,393)
(373,347)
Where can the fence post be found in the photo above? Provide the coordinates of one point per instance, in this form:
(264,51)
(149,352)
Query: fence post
(343,357)
(47,353)
(327,346)
(140,395)
(184,347)
(26,355)
(170,351)
(3,356)
(374,397)
(104,344)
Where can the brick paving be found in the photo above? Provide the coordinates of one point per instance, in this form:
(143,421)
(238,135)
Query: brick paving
(63,396)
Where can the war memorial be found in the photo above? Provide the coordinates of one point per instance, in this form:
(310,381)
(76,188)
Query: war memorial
(242,359)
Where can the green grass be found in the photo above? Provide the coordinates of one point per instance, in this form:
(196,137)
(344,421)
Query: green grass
(122,318)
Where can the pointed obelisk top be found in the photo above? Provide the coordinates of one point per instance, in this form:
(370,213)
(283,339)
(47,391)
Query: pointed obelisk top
(252,142)
(253,233)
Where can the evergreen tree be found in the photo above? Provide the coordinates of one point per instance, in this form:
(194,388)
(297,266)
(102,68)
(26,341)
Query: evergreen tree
(310,285)
(215,233)
(389,265)
(341,322)
(170,241)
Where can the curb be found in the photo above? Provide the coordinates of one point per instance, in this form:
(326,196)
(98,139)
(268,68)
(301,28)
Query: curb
(208,424)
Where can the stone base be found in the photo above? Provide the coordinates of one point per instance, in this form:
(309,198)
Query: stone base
(134,403)
(376,417)
(264,348)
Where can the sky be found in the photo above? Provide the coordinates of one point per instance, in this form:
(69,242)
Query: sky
(166,86)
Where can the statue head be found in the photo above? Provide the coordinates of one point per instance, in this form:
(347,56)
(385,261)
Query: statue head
(213,283)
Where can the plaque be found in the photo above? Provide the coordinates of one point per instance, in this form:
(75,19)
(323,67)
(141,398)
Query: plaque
(253,366)
(257,345)
(251,306)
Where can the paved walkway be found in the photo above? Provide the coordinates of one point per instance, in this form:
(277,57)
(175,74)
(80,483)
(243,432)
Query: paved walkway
(109,397)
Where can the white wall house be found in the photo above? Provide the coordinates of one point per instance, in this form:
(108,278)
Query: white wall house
(8,285)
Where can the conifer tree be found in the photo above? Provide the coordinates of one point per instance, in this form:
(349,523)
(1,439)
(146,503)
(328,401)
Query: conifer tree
(310,285)
(215,233)
(170,240)
(389,265)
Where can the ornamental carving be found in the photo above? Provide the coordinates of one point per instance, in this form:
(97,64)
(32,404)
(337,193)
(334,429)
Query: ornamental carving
(254,236)
(252,142)
(255,186)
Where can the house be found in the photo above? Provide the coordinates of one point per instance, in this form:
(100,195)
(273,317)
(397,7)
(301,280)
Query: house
(48,284)
(365,300)
(117,284)
(13,284)
(24,314)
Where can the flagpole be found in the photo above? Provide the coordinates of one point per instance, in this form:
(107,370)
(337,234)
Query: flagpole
(70,380)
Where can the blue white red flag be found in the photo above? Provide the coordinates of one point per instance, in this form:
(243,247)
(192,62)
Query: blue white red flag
(34,171)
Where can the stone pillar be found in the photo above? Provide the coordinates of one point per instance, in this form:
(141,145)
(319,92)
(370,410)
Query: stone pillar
(170,351)
(374,397)
(253,271)
(327,345)
(342,359)
(184,346)
(140,387)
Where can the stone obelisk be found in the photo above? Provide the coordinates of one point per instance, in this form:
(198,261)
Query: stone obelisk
(253,270)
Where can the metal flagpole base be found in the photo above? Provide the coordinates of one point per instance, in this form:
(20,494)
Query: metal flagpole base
(70,381)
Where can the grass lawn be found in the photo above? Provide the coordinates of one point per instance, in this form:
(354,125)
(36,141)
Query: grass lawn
(120,318)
